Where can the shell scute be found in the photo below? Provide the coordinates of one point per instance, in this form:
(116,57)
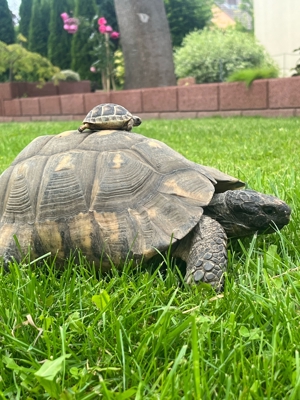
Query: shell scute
(108,112)
(109,116)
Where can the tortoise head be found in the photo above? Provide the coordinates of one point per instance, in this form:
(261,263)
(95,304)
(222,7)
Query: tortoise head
(245,212)
(136,120)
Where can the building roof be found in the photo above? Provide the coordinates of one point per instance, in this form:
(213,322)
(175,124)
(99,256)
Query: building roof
(220,18)
(233,12)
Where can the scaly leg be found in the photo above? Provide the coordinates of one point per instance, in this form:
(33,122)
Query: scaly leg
(204,251)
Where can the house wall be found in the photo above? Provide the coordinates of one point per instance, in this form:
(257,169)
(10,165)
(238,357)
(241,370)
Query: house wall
(276,26)
(268,98)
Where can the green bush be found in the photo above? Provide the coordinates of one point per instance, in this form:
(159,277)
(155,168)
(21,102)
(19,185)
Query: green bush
(19,64)
(296,69)
(249,75)
(213,55)
(66,75)
(119,68)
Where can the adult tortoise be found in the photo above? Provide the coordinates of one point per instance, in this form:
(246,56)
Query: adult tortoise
(114,193)
(109,116)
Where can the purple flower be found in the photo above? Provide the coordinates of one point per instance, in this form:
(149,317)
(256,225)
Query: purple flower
(108,29)
(114,35)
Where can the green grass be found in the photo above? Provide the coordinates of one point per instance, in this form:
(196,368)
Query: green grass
(143,335)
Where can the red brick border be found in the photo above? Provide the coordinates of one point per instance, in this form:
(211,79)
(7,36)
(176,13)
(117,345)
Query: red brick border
(236,96)
(198,97)
(50,105)
(30,106)
(159,99)
(268,98)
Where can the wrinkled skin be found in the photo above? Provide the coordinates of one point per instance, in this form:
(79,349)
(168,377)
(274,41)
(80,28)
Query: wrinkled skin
(234,213)
(245,212)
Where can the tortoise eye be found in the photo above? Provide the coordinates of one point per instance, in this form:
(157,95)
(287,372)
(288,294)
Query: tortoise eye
(269,210)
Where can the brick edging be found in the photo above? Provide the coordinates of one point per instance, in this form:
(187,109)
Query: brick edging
(168,115)
(269,98)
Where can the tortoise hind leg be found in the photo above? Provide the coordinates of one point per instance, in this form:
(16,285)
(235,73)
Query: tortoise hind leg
(15,244)
(205,254)
(9,255)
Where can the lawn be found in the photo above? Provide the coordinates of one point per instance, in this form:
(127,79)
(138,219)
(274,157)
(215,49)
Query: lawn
(143,334)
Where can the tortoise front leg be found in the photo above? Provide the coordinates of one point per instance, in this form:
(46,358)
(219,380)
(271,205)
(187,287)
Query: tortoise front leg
(83,127)
(206,255)
(129,125)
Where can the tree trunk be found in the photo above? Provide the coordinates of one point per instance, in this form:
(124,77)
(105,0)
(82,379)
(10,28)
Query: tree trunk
(146,43)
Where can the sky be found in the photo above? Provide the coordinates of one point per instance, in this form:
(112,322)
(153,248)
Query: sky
(14,6)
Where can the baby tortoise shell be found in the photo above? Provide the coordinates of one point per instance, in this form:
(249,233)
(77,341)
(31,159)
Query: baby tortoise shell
(109,116)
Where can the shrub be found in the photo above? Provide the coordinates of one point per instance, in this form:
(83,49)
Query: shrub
(213,55)
(249,75)
(296,69)
(19,64)
(119,68)
(66,75)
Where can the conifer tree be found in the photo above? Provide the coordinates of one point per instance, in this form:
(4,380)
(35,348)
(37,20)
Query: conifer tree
(184,17)
(39,27)
(59,43)
(82,49)
(7,32)
(25,16)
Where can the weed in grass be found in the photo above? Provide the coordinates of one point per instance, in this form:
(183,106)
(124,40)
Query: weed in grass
(141,334)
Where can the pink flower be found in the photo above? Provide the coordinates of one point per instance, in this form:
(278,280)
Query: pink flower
(102,28)
(71,25)
(108,29)
(72,28)
(102,21)
(64,16)
(114,35)
(93,69)
(72,21)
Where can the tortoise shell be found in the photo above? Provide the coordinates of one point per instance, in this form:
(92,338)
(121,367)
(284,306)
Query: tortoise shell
(109,193)
(109,116)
